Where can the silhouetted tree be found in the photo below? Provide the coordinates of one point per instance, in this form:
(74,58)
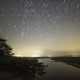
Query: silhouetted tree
(26,68)
(5,49)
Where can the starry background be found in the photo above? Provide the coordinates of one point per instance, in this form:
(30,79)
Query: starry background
(52,25)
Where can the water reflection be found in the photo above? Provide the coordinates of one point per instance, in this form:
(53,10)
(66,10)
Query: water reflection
(59,70)
(74,61)
(40,69)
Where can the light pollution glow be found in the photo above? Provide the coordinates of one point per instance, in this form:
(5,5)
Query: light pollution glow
(68,45)
(33,26)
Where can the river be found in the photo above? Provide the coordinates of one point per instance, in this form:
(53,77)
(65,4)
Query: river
(60,71)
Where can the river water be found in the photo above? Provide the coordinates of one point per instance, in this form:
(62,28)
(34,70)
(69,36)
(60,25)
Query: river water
(60,71)
(54,71)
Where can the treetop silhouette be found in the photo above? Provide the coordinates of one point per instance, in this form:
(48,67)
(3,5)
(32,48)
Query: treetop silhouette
(27,69)
(5,49)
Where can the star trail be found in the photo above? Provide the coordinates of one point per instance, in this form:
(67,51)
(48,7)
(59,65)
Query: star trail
(33,25)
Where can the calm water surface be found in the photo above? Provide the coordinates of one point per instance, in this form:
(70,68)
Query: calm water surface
(54,71)
(60,71)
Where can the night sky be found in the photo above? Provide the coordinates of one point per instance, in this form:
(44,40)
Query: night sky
(33,27)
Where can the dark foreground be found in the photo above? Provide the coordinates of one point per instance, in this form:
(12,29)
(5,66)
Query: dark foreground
(25,68)
(16,68)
